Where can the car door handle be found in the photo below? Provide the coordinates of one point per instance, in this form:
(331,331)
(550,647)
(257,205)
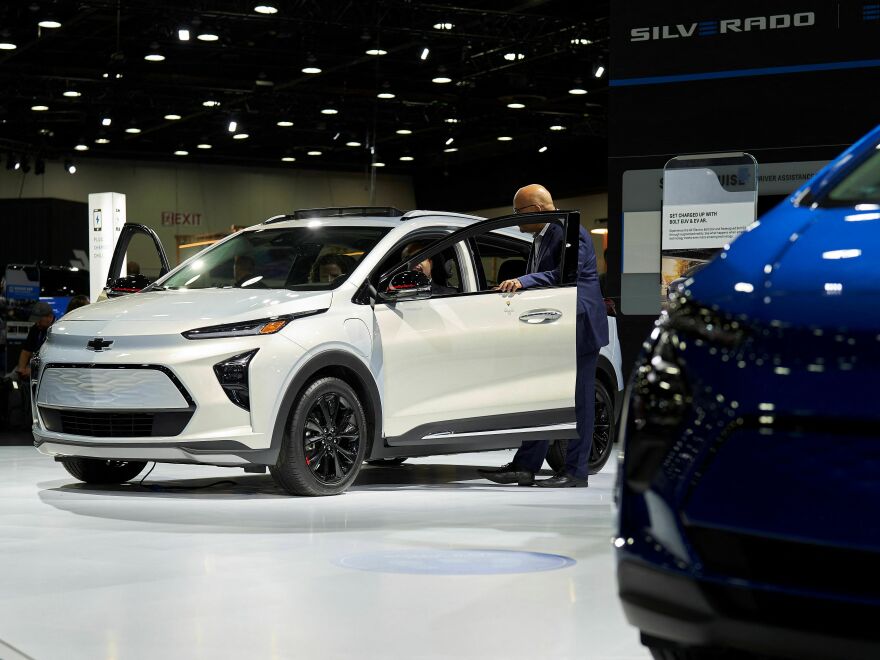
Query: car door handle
(535,316)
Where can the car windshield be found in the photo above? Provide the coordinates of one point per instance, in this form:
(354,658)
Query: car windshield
(299,258)
(862,185)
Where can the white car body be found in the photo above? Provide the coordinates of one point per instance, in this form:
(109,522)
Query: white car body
(434,372)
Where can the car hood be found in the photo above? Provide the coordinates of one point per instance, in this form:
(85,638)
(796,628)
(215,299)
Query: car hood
(171,311)
(799,266)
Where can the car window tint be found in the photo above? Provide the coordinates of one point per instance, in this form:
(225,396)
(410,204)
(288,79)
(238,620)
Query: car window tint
(862,185)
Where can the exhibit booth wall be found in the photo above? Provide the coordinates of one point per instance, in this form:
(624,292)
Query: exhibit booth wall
(789,84)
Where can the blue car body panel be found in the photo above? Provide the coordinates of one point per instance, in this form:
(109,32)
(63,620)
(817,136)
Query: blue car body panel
(750,489)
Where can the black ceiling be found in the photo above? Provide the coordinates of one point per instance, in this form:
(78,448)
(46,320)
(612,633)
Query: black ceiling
(254,71)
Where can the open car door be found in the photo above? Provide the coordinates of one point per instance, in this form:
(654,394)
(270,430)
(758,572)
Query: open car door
(139,253)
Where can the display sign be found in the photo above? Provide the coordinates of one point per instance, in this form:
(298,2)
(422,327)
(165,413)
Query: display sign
(22,283)
(106,217)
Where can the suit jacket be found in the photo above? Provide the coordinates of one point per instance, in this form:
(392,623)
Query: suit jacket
(592,320)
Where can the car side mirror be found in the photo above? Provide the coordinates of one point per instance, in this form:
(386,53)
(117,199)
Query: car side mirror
(408,285)
(122,286)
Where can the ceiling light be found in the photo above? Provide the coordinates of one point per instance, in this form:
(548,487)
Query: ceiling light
(81,147)
(516,106)
(581,42)
(542,150)
(263,82)
(557,127)
(450,150)
(134,130)
(284,123)
(403,131)
(208,36)
(203,145)
(598,70)
(329,111)
(378,164)
(352,144)
(510,57)
(39,108)
(504,138)
(49,24)
(385,95)
(154,57)
(240,136)
(183,34)
(211,103)
(443,26)
(71,94)
(450,141)
(425,52)
(181,152)
(451,120)
(577,91)
(266,9)
(5,45)
(102,140)
(16,164)
(233,126)
(601,231)
(69,167)
(288,159)
(441,80)
(314,153)
(106,121)
(377,51)
(407,158)
(311,70)
(172,117)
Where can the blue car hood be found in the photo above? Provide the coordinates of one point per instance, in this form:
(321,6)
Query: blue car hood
(800,266)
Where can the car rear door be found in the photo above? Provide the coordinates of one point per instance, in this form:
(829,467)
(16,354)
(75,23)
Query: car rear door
(480,365)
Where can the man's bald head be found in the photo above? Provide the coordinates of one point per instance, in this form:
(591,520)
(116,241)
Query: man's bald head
(533,198)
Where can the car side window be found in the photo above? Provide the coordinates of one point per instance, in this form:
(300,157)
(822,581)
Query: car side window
(445,269)
(499,257)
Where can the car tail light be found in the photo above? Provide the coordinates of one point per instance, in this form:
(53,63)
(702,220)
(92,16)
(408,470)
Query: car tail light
(232,375)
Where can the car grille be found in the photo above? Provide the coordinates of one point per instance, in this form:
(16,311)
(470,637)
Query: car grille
(108,425)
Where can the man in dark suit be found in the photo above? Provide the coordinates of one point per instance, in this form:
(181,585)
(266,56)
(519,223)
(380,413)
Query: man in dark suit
(544,269)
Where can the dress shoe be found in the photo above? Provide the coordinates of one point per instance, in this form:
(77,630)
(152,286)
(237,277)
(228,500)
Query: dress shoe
(512,475)
(563,480)
(496,470)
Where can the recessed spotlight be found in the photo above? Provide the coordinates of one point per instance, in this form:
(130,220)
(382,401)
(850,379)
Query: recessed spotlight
(288,159)
(406,158)
(450,150)
(81,147)
(352,144)
(203,145)
(504,138)
(240,136)
(311,70)
(208,36)
(284,123)
(577,91)
(183,34)
(263,82)
(72,94)
(425,52)
(5,45)
(134,130)
(102,141)
(385,95)
(211,103)
(154,57)
(181,152)
(450,120)
(314,153)
(106,121)
(173,117)
(49,24)
(450,141)
(516,106)
(329,111)
(441,80)
(443,26)
(599,71)
(378,163)
(581,42)
(266,9)
(39,108)
(377,52)
(542,150)
(233,126)
(557,127)
(69,167)
(403,131)
(512,57)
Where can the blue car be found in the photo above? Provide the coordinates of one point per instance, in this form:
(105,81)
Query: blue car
(749,495)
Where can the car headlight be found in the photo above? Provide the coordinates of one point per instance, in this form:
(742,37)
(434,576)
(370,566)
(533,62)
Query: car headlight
(257,327)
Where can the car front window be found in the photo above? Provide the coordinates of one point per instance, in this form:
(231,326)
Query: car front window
(861,185)
(298,258)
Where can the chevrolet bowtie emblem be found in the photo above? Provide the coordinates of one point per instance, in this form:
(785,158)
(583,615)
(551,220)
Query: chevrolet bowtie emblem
(98,344)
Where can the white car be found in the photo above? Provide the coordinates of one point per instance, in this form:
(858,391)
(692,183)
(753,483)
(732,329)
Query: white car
(307,345)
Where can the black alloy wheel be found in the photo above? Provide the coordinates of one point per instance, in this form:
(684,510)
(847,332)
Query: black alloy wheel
(603,435)
(326,440)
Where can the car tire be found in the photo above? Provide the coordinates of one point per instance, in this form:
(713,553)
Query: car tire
(99,471)
(603,435)
(325,442)
(387,462)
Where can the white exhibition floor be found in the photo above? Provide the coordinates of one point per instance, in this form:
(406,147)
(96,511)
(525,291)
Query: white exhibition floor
(413,562)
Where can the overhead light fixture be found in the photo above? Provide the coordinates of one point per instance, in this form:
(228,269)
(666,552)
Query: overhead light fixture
(173,117)
(378,163)
(208,36)
(102,140)
(441,80)
(352,144)
(288,159)
(599,230)
(542,150)
(262,81)
(16,163)
(511,57)
(450,120)
(504,138)
(240,136)
(407,158)
(557,127)
(211,103)
(425,52)
(134,130)
(450,141)
(69,167)
(443,26)
(81,147)
(39,108)
(6,45)
(266,9)
(314,153)
(106,121)
(203,145)
(49,24)
(516,106)
(577,91)
(598,70)
(183,34)
(450,150)
(385,95)
(311,70)
(233,126)
(71,94)
(403,131)
(284,123)
(181,152)
(154,57)
(329,111)
(581,42)
(377,52)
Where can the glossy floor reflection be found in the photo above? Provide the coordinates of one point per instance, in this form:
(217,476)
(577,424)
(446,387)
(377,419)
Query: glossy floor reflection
(399,567)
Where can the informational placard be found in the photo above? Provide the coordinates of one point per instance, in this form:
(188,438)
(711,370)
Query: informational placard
(699,226)
(106,217)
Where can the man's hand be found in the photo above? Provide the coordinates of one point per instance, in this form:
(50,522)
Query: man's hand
(24,372)
(509,286)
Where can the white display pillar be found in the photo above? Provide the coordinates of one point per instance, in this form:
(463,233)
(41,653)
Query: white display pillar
(106,217)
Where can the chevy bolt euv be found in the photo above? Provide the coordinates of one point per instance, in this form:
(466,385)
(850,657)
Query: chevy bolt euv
(308,344)
(750,487)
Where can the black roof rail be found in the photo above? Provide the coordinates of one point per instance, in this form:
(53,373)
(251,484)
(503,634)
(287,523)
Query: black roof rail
(339,212)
